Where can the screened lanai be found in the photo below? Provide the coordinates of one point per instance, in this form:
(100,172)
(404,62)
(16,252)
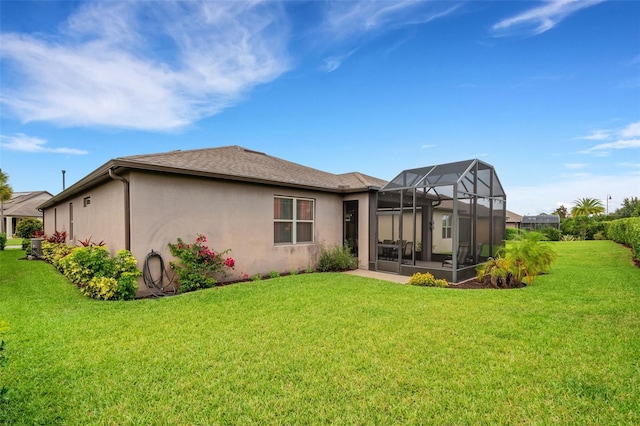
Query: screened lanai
(443,219)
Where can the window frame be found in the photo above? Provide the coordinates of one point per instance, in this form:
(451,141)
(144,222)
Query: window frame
(446,227)
(294,221)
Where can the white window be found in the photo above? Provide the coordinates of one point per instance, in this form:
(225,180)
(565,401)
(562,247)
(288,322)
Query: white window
(292,220)
(446,226)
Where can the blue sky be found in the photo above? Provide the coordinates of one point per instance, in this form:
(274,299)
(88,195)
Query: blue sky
(547,92)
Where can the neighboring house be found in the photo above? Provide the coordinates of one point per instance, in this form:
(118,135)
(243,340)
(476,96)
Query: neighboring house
(541,221)
(274,215)
(514,220)
(22,205)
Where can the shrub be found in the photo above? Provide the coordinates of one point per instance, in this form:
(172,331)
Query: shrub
(26,244)
(274,274)
(256,277)
(83,263)
(54,253)
(337,259)
(198,264)
(528,256)
(626,231)
(512,233)
(293,272)
(57,237)
(427,279)
(498,272)
(95,272)
(3,240)
(100,288)
(552,234)
(27,227)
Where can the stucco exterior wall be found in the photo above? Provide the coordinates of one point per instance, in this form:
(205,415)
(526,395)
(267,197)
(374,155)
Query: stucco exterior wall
(102,219)
(236,216)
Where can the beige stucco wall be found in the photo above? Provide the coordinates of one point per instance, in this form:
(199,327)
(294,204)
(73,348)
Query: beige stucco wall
(101,220)
(235,216)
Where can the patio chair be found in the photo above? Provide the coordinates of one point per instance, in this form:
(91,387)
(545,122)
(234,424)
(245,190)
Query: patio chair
(408,248)
(463,256)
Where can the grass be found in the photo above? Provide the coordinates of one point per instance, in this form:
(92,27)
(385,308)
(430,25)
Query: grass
(329,348)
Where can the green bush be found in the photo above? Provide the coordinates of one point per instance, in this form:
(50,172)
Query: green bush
(512,233)
(427,279)
(26,244)
(498,272)
(528,256)
(27,227)
(3,240)
(94,271)
(552,234)
(337,259)
(274,274)
(626,231)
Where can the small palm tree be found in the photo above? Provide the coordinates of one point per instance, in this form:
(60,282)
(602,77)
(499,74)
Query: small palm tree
(587,207)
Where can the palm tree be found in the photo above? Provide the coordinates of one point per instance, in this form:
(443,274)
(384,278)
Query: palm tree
(6,192)
(587,207)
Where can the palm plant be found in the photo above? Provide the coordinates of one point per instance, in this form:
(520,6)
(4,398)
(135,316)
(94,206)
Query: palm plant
(587,207)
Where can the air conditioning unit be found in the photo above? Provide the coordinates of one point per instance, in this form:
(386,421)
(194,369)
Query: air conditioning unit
(36,248)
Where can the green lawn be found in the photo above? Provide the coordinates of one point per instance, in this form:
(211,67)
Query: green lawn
(329,348)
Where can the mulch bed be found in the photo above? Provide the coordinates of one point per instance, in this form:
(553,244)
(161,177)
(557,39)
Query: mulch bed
(473,284)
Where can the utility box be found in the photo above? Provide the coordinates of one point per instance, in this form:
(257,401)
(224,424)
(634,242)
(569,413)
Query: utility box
(36,248)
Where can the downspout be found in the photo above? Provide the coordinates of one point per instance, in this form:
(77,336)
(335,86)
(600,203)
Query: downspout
(127,208)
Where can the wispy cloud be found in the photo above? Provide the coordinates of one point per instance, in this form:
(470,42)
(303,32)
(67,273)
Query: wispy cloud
(354,18)
(596,135)
(351,22)
(104,69)
(575,166)
(24,143)
(617,139)
(332,63)
(428,146)
(540,19)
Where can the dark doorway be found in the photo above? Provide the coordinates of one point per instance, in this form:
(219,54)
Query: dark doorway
(351,224)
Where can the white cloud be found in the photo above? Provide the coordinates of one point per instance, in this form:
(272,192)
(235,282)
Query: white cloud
(543,18)
(348,18)
(333,63)
(609,146)
(427,146)
(104,68)
(24,143)
(631,131)
(575,166)
(546,197)
(596,135)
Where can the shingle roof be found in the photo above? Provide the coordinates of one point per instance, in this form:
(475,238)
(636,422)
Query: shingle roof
(25,204)
(229,162)
(248,165)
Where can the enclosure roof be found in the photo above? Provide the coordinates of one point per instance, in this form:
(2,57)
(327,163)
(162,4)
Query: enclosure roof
(463,173)
(541,218)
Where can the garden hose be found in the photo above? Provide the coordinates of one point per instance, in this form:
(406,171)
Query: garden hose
(157,285)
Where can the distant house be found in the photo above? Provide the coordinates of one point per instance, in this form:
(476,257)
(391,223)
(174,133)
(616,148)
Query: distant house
(22,205)
(514,220)
(541,221)
(273,214)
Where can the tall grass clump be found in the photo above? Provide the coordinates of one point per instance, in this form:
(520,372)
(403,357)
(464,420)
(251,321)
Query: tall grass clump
(337,258)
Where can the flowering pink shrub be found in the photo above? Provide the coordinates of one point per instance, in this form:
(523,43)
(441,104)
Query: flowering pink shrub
(198,264)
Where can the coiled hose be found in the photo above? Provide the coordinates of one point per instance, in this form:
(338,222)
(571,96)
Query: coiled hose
(157,286)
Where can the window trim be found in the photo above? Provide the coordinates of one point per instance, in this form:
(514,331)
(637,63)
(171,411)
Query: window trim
(294,221)
(446,227)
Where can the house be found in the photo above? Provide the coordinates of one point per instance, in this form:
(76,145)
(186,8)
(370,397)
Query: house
(541,221)
(274,215)
(22,205)
(514,220)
